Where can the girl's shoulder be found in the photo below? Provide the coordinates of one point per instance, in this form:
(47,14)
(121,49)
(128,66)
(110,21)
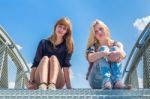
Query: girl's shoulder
(42,41)
(91,48)
(45,42)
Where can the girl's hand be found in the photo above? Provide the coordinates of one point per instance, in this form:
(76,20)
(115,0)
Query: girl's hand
(105,53)
(114,57)
(32,86)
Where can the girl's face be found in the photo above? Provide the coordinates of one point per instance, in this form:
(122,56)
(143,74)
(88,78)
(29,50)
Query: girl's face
(61,30)
(99,32)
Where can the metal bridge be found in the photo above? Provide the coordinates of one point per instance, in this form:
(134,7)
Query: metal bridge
(14,67)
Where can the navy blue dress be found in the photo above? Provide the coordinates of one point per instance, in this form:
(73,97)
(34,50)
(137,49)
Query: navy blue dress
(45,48)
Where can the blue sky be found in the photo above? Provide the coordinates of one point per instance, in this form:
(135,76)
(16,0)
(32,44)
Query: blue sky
(29,21)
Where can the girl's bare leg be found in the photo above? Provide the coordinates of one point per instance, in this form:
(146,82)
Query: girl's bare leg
(41,74)
(56,75)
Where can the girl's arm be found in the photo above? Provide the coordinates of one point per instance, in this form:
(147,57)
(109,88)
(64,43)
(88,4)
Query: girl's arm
(32,75)
(32,84)
(67,77)
(119,53)
(92,57)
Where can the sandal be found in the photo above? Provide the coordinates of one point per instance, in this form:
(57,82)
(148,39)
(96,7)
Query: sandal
(120,85)
(43,86)
(107,85)
(52,86)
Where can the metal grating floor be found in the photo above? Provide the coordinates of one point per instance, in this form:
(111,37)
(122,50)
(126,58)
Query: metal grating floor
(75,94)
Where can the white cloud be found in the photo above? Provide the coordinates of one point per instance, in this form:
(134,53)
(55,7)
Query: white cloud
(11,85)
(140,23)
(19,47)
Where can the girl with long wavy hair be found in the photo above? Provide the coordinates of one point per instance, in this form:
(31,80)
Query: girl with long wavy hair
(51,65)
(104,56)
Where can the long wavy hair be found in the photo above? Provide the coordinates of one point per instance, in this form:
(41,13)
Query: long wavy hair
(67,37)
(92,39)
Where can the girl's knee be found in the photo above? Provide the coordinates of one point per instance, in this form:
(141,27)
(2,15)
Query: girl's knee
(114,48)
(53,58)
(45,59)
(104,48)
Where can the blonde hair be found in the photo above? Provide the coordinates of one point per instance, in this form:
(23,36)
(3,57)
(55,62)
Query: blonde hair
(67,37)
(92,40)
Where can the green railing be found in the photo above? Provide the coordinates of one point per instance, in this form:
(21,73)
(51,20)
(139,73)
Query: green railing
(140,52)
(10,57)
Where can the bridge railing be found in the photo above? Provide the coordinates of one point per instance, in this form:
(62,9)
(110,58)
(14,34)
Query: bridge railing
(14,71)
(139,56)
